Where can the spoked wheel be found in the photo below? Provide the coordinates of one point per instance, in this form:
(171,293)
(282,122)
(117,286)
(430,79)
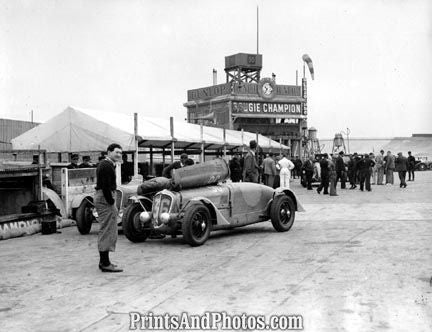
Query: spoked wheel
(282,213)
(133,227)
(85,217)
(196,225)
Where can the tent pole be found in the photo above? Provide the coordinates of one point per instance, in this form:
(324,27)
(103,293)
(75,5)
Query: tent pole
(136,145)
(151,160)
(172,138)
(224,143)
(202,143)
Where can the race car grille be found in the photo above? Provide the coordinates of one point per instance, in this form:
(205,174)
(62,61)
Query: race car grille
(161,204)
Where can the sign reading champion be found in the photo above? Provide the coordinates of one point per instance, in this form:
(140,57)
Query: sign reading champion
(267,90)
(266,108)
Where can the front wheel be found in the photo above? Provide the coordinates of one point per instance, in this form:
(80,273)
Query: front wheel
(133,227)
(196,224)
(84,216)
(282,213)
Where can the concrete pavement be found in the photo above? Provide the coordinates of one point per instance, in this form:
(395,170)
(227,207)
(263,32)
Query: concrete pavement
(356,262)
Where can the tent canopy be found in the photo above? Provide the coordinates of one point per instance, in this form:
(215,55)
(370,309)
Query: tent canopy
(77,129)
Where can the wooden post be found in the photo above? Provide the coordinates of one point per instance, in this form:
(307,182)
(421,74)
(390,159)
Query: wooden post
(242,141)
(151,160)
(224,143)
(202,142)
(172,138)
(136,145)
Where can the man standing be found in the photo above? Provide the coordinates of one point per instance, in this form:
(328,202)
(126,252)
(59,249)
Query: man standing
(251,168)
(105,207)
(184,161)
(324,175)
(332,177)
(401,166)
(380,167)
(235,168)
(269,170)
(389,167)
(365,169)
(340,170)
(411,166)
(352,166)
(308,169)
(285,166)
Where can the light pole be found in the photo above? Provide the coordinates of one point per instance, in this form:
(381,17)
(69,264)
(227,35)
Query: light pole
(347,133)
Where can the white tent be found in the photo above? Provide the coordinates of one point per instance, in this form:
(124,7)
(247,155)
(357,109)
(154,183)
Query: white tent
(76,129)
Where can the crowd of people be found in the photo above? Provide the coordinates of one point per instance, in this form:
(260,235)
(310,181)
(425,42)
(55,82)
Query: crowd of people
(361,170)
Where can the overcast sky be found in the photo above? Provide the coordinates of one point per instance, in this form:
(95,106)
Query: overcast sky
(372,58)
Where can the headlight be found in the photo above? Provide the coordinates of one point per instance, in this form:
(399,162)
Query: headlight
(145,216)
(164,217)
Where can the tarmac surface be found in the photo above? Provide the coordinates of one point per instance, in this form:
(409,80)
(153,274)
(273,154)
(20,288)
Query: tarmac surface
(361,261)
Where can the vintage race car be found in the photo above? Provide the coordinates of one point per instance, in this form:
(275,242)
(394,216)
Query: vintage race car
(196,211)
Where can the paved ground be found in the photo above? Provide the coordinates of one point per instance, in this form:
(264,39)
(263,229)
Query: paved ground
(357,262)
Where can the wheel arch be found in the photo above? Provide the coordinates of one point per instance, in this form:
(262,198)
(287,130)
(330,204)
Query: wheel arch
(215,215)
(288,192)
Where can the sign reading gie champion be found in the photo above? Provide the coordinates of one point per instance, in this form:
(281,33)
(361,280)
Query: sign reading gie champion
(266,108)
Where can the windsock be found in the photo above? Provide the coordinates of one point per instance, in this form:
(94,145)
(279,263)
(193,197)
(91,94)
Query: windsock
(306,58)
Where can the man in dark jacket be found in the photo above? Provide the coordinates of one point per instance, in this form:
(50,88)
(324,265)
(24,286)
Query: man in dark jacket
(401,166)
(352,167)
(324,175)
(340,170)
(235,168)
(251,168)
(411,166)
(184,161)
(308,169)
(365,170)
(106,209)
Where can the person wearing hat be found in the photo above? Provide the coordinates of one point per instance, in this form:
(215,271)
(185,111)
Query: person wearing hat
(389,167)
(86,162)
(365,170)
(401,166)
(411,166)
(324,164)
(352,167)
(74,161)
(184,161)
(251,167)
(340,170)
(379,160)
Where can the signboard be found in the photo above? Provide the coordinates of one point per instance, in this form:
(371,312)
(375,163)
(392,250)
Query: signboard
(266,108)
(244,89)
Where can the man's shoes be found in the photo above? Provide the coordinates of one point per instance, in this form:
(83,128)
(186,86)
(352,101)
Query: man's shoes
(309,189)
(318,191)
(405,185)
(109,268)
(325,193)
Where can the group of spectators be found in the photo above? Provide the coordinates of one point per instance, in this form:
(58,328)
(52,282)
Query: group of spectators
(272,170)
(364,170)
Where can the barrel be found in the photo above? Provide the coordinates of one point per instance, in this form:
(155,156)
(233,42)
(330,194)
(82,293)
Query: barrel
(200,175)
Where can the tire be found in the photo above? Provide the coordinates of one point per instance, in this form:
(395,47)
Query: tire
(282,213)
(84,216)
(422,167)
(132,225)
(196,225)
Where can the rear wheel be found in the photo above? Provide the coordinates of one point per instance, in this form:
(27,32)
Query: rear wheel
(196,225)
(84,216)
(282,213)
(133,228)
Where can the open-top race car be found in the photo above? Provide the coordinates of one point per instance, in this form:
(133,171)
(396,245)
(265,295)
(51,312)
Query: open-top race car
(199,202)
